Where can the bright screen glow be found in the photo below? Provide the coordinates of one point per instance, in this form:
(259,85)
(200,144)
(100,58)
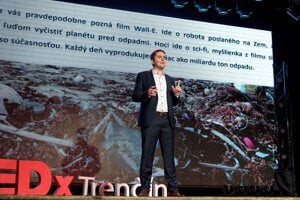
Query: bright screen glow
(67,72)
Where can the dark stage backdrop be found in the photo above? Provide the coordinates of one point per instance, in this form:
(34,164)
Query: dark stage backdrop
(66,76)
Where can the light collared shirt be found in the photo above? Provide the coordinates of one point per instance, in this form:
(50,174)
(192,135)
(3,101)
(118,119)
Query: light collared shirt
(161,86)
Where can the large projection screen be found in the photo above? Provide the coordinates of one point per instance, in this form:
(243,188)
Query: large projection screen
(66,76)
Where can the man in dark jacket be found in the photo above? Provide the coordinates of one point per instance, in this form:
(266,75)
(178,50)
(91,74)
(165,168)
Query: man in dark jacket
(158,94)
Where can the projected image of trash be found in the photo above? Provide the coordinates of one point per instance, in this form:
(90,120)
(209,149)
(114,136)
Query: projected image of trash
(83,122)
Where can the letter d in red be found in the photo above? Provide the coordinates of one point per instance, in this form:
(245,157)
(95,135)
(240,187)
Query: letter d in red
(43,172)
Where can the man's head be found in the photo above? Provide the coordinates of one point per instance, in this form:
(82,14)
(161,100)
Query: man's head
(155,52)
(158,59)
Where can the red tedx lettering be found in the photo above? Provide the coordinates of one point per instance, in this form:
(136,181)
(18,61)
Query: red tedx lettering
(7,178)
(42,170)
(63,183)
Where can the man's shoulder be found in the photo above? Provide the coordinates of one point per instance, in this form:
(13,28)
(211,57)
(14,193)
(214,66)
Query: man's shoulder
(145,72)
(166,75)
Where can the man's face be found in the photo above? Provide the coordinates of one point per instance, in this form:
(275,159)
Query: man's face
(159,60)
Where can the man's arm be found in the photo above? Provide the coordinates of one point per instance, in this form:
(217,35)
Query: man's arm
(138,94)
(176,90)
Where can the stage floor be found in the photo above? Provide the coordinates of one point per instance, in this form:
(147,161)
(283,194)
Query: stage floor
(145,198)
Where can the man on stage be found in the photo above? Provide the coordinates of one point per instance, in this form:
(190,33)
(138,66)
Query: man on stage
(158,94)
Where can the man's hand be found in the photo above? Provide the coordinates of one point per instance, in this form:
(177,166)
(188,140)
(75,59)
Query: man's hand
(152,91)
(177,89)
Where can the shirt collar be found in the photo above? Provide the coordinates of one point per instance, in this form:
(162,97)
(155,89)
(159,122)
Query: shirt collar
(156,73)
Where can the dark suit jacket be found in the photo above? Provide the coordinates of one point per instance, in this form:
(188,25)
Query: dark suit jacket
(144,81)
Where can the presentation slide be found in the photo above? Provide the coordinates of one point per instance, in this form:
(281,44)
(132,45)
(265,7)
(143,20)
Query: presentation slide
(67,72)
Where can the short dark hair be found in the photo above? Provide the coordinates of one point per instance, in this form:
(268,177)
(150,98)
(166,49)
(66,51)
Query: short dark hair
(154,53)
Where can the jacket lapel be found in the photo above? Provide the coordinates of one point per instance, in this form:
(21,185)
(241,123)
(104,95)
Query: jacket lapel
(150,78)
